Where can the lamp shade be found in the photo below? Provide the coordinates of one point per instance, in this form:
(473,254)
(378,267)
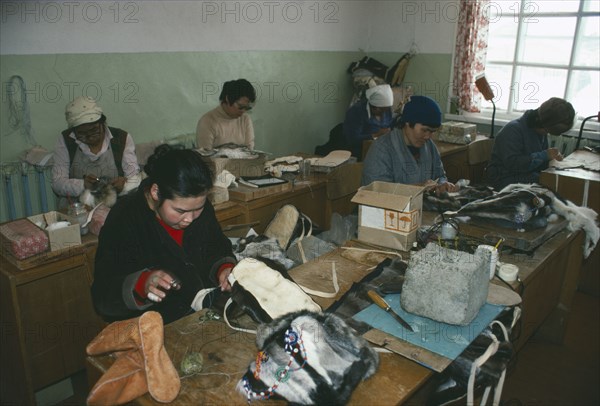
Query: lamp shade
(484,87)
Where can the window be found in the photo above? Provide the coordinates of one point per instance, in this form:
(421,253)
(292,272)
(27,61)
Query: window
(540,49)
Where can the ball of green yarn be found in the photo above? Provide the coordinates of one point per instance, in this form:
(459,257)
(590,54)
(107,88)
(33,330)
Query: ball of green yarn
(192,363)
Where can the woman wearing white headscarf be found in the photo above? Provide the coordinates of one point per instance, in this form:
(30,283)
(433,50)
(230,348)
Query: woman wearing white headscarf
(369,119)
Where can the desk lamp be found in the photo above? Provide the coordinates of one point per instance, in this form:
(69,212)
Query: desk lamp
(581,128)
(488,94)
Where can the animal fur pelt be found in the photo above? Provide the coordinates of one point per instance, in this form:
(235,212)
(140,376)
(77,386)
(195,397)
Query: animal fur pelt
(308,358)
(452,384)
(230,150)
(104,192)
(265,291)
(454,200)
(530,206)
(262,247)
(386,278)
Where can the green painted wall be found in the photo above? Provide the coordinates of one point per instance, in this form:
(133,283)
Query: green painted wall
(301,95)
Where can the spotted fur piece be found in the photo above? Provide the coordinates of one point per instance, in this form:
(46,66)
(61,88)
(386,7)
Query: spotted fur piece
(330,362)
(103,193)
(530,206)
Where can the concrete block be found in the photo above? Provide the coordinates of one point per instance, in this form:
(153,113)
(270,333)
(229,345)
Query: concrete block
(446,285)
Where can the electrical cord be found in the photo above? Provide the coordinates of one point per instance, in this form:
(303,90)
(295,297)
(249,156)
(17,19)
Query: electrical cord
(18,110)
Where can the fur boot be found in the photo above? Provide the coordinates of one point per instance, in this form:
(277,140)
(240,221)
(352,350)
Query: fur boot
(142,363)
(288,225)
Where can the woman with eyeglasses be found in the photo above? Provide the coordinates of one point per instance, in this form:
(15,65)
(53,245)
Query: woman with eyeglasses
(407,154)
(521,149)
(90,152)
(228,123)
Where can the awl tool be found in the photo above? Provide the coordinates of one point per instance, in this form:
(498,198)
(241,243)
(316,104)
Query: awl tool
(379,301)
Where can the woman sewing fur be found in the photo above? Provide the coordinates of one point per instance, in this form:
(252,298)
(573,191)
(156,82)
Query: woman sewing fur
(90,154)
(162,248)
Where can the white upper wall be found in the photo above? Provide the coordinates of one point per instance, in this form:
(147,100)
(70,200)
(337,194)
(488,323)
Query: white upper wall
(56,27)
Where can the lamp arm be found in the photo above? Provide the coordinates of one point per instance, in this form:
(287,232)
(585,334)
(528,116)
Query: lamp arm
(581,130)
(493,118)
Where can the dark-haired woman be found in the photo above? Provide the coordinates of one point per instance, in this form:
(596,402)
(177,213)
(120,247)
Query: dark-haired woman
(521,149)
(162,248)
(228,123)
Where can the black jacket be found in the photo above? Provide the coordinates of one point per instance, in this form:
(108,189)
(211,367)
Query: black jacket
(132,240)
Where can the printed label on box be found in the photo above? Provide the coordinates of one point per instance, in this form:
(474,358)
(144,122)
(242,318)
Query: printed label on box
(389,220)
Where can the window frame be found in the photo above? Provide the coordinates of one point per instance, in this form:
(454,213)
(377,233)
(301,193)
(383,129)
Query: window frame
(502,115)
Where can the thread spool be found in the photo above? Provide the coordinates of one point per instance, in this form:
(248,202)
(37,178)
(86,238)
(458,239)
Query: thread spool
(508,272)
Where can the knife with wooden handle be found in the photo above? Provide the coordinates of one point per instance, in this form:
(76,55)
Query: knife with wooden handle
(379,301)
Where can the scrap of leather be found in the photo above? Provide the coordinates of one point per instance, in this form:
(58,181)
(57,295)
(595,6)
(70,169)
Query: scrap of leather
(364,257)
(142,363)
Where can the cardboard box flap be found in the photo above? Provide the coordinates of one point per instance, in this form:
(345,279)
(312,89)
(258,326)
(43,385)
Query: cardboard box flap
(392,196)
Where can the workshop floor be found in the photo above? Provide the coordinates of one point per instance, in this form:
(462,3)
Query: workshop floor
(543,374)
(567,374)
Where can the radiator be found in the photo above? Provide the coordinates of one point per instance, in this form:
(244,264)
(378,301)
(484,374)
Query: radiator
(566,144)
(26,190)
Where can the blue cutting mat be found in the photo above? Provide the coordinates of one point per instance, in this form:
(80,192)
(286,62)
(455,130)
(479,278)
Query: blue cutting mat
(447,340)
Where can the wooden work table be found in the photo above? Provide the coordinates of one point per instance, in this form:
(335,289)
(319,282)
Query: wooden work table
(579,182)
(548,276)
(47,318)
(227,353)
(318,197)
(463,161)
(549,261)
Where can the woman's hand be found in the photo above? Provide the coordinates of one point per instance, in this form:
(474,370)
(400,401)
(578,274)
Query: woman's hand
(90,181)
(158,284)
(445,187)
(381,132)
(224,280)
(118,183)
(554,153)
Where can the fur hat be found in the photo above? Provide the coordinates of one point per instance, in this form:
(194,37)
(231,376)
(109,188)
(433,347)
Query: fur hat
(82,110)
(556,111)
(423,110)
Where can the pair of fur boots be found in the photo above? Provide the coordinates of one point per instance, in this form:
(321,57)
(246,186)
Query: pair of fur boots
(142,363)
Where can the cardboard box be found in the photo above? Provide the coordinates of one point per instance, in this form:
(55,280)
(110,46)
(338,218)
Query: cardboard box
(389,214)
(456,132)
(61,238)
(238,167)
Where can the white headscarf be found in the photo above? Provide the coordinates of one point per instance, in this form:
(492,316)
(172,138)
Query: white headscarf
(379,96)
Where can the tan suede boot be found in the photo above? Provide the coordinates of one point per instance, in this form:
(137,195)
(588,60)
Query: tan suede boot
(142,364)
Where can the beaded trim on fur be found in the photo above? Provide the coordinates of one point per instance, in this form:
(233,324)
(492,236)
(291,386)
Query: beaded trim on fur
(294,347)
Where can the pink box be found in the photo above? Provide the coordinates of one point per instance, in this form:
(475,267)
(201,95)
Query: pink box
(23,239)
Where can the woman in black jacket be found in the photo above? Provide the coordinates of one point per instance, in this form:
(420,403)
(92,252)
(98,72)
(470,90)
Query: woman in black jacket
(161,248)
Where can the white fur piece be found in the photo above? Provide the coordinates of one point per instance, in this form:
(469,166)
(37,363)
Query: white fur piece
(278,166)
(580,218)
(267,285)
(87,198)
(236,153)
(225,179)
(199,298)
